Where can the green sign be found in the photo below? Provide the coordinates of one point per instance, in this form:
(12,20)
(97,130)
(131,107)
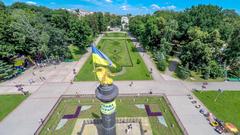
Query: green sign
(108,108)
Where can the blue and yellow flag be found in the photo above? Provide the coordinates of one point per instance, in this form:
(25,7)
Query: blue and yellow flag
(100,58)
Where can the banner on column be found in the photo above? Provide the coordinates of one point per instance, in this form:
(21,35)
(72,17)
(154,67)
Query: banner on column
(108,108)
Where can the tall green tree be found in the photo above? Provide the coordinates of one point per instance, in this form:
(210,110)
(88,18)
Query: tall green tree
(80,33)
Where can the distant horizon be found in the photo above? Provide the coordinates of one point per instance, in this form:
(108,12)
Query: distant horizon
(123,7)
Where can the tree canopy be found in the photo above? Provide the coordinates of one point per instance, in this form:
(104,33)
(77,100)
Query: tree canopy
(204,37)
(41,33)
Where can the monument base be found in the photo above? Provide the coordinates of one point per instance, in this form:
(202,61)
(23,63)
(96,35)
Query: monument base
(139,126)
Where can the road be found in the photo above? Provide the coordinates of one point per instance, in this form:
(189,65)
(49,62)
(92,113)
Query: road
(24,120)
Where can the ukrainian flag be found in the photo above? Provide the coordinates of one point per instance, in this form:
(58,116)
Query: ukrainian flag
(100,58)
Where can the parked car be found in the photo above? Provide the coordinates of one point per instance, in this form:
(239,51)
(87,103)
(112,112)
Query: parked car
(214,124)
(220,122)
(219,129)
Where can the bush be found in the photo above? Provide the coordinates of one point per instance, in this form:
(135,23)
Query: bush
(134,49)
(115,70)
(7,71)
(182,72)
(206,73)
(162,65)
(138,61)
(214,70)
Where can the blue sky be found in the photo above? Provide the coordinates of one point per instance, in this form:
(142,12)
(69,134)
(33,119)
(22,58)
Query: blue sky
(129,6)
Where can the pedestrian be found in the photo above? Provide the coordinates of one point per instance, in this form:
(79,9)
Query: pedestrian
(131,84)
(41,121)
(74,71)
(30,82)
(150,92)
(33,73)
(25,93)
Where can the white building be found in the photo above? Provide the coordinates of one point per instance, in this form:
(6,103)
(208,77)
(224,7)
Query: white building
(83,12)
(80,12)
(124,22)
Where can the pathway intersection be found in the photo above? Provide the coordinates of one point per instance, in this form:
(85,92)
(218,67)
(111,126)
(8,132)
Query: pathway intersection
(24,120)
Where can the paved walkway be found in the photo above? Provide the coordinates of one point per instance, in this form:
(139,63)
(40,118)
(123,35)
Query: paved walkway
(24,120)
(193,121)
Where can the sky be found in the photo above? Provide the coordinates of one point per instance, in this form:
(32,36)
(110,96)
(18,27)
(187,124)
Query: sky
(129,6)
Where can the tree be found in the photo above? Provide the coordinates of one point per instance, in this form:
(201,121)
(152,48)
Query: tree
(215,42)
(183,72)
(24,33)
(43,44)
(215,70)
(80,33)
(162,65)
(197,54)
(232,52)
(2,6)
(102,25)
(60,19)
(207,17)
(6,71)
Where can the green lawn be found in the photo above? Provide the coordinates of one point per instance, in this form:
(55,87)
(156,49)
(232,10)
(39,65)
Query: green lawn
(121,52)
(115,34)
(117,51)
(8,103)
(227,106)
(125,108)
(75,52)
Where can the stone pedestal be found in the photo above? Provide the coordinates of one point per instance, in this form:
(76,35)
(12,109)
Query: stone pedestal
(107,94)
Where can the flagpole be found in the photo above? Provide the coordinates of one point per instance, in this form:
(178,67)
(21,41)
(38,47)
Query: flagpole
(94,68)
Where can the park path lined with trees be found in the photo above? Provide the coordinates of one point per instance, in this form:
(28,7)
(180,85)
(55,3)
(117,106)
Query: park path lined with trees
(41,101)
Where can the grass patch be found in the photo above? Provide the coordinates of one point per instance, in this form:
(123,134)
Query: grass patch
(125,108)
(124,56)
(8,103)
(76,52)
(117,51)
(197,77)
(227,106)
(115,34)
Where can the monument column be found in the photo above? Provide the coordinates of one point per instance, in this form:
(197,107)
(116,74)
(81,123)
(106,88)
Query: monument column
(107,94)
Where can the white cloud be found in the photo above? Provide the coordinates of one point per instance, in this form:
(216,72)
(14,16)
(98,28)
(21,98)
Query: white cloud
(31,3)
(145,8)
(172,7)
(109,1)
(156,7)
(124,7)
(52,3)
